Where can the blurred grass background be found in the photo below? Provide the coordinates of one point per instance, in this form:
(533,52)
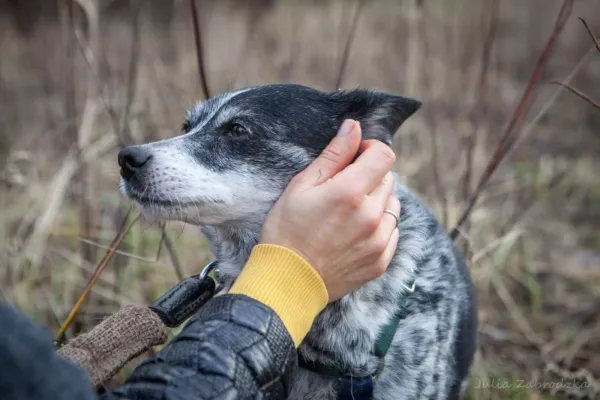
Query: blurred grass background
(79,79)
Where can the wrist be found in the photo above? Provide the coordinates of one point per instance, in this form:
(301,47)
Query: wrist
(285,282)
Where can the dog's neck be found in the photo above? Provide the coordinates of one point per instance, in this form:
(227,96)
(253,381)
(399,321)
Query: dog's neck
(232,244)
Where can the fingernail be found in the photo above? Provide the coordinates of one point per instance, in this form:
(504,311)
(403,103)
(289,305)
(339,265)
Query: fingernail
(346,128)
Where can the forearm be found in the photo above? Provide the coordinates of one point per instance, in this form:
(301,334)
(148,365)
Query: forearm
(234,346)
(239,344)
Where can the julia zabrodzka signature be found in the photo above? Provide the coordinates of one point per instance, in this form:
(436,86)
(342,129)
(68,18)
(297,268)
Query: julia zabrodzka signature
(524,384)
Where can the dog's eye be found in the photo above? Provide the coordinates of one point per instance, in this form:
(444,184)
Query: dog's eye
(186,126)
(238,130)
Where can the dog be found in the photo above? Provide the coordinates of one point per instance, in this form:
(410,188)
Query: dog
(236,153)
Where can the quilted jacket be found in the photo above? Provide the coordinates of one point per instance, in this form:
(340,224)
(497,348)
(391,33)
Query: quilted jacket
(234,348)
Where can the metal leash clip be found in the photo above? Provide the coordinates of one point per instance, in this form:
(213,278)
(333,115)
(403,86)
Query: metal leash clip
(186,298)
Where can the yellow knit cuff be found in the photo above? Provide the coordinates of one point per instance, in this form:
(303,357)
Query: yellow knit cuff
(282,280)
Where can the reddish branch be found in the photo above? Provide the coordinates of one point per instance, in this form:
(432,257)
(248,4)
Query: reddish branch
(507,140)
(199,50)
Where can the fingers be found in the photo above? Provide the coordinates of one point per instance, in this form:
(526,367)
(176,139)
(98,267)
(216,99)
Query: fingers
(365,174)
(388,253)
(389,222)
(382,242)
(336,156)
(379,196)
(385,238)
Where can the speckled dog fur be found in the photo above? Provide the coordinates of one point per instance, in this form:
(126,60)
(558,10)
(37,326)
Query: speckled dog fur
(237,153)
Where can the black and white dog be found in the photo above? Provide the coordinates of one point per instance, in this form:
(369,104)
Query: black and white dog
(237,153)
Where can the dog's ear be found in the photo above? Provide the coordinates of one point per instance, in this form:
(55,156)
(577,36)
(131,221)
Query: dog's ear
(380,114)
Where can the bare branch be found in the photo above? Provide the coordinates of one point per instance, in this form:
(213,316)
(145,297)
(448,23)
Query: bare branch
(123,231)
(578,93)
(416,62)
(546,106)
(199,49)
(481,105)
(437,181)
(134,55)
(172,254)
(119,252)
(594,39)
(89,60)
(57,189)
(507,141)
(348,45)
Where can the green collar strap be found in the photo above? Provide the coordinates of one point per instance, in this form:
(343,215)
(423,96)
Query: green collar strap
(382,345)
(386,335)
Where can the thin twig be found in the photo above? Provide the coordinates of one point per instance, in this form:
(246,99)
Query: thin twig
(57,189)
(526,131)
(199,49)
(254,17)
(70,107)
(134,55)
(506,141)
(172,254)
(348,45)
(437,181)
(516,314)
(162,239)
(525,209)
(109,109)
(578,93)
(569,87)
(596,42)
(99,269)
(440,190)
(481,105)
(119,252)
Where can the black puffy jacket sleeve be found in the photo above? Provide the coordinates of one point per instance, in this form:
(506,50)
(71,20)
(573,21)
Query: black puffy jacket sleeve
(235,348)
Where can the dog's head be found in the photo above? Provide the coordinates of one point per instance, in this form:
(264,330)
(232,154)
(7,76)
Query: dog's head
(239,150)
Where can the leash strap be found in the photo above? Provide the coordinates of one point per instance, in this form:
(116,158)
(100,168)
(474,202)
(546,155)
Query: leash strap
(186,298)
(134,329)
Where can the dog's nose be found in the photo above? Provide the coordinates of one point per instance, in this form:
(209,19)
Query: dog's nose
(131,159)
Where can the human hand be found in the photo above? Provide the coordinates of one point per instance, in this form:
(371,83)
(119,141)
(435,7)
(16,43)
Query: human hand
(332,213)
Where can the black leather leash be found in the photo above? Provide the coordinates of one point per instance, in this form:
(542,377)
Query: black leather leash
(186,298)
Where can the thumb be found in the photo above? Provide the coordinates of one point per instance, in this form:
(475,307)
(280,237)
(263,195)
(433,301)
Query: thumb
(336,156)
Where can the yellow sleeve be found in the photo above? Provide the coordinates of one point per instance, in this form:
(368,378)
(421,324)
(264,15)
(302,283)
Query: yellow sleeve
(282,280)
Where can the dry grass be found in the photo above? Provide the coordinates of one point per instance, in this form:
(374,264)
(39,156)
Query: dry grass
(76,85)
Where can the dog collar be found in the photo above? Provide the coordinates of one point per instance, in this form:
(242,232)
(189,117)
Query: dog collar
(351,386)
